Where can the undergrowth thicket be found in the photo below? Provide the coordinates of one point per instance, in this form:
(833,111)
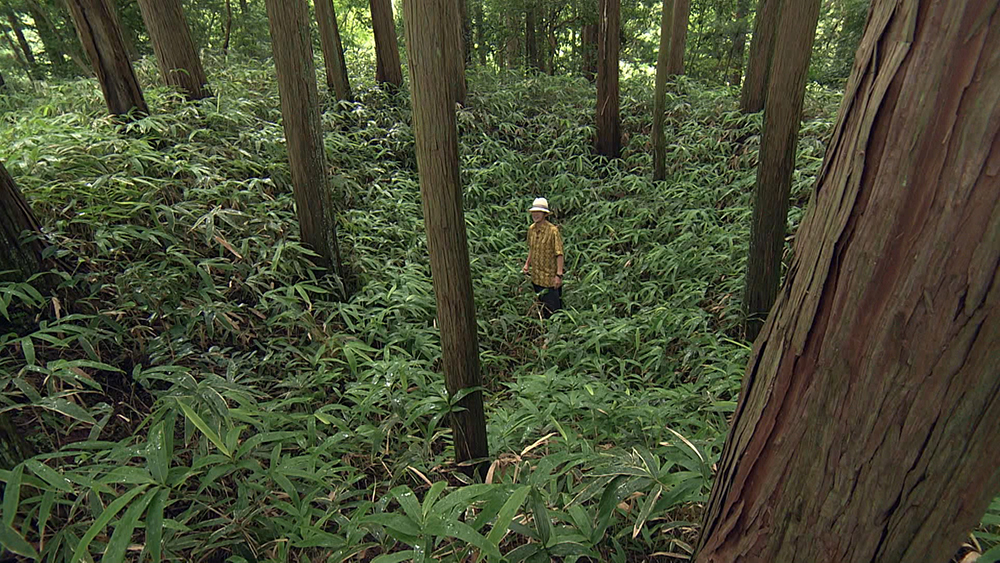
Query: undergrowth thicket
(195,384)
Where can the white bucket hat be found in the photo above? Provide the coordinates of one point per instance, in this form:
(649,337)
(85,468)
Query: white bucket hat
(540,204)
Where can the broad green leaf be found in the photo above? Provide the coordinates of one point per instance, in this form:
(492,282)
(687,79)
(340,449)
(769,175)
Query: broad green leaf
(62,406)
(154,524)
(399,556)
(647,508)
(12,495)
(15,542)
(541,516)
(122,536)
(431,497)
(455,529)
(157,456)
(200,425)
(507,514)
(49,475)
(102,521)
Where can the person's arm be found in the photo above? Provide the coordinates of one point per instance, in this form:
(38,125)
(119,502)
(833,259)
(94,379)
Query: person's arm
(524,270)
(560,261)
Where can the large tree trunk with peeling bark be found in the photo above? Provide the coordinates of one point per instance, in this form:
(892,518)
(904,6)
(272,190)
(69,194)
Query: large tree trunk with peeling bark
(175,50)
(782,116)
(97,27)
(761,51)
(609,132)
(866,428)
(429,30)
(387,65)
(291,43)
(333,50)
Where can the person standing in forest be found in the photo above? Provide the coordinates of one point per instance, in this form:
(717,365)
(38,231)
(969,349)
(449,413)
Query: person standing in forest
(545,258)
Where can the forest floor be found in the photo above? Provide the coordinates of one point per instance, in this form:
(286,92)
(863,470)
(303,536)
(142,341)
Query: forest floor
(195,379)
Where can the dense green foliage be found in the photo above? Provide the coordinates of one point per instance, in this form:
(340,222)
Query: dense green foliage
(193,380)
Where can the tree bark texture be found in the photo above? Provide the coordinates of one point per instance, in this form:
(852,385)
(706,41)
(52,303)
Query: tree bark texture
(458,63)
(291,43)
(15,25)
(55,50)
(678,37)
(609,134)
(588,46)
(659,104)
(513,47)
(866,428)
(387,66)
(175,49)
(761,51)
(333,50)
(97,27)
(227,28)
(427,32)
(779,141)
(16,255)
(530,38)
(739,43)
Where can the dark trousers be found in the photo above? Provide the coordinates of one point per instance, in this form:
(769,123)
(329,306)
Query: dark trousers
(551,299)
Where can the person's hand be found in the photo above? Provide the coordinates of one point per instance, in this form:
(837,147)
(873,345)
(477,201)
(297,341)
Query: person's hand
(524,270)
(557,282)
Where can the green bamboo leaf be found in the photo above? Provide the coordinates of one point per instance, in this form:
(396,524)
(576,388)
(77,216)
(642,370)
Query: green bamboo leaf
(205,429)
(157,456)
(647,508)
(404,495)
(49,475)
(456,529)
(154,525)
(541,515)
(29,350)
(62,406)
(507,514)
(102,521)
(431,497)
(408,555)
(12,495)
(122,536)
(13,541)
(44,510)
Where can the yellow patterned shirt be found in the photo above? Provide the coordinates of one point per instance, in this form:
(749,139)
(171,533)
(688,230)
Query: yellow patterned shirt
(544,245)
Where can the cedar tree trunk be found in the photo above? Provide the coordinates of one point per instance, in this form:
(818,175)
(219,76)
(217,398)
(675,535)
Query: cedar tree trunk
(23,258)
(609,135)
(678,37)
(97,26)
(867,427)
(659,104)
(530,40)
(333,50)
(739,42)
(387,67)
(292,46)
(175,49)
(429,25)
(588,46)
(782,116)
(761,51)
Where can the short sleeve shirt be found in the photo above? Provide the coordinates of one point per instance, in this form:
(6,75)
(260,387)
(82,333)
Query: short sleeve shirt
(544,245)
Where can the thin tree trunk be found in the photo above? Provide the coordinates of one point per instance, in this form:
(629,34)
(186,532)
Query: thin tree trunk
(466,37)
(782,116)
(480,43)
(18,55)
(22,258)
(333,50)
(761,53)
(588,46)
(530,41)
(429,47)
(55,50)
(175,49)
(739,43)
(678,37)
(15,26)
(97,27)
(227,28)
(659,104)
(512,47)
(866,428)
(291,43)
(387,66)
(609,135)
